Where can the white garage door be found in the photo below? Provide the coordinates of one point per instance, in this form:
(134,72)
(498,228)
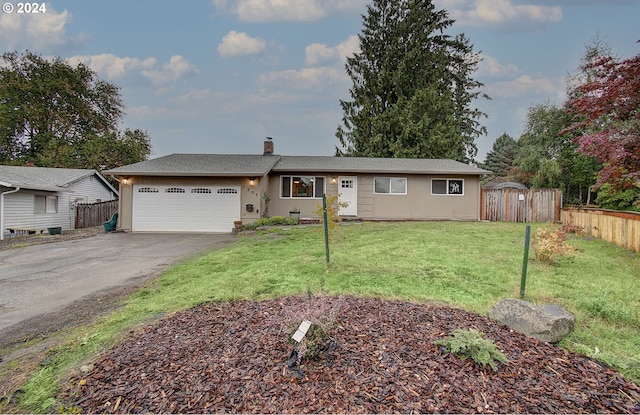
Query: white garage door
(185,208)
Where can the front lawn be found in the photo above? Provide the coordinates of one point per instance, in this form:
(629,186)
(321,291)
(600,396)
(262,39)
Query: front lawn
(466,264)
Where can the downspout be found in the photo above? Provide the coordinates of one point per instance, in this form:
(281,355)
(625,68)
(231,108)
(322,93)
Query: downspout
(17,189)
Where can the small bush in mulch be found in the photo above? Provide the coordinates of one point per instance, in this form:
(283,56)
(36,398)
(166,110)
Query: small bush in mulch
(232,357)
(469,344)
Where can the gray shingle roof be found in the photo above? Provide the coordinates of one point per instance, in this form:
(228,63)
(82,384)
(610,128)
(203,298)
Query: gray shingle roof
(259,165)
(43,178)
(374,165)
(200,165)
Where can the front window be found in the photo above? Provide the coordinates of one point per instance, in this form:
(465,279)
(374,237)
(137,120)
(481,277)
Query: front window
(390,185)
(302,186)
(447,187)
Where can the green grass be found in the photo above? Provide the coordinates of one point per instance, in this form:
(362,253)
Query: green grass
(467,265)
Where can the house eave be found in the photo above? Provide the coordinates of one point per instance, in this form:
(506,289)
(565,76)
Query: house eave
(189,174)
(379,171)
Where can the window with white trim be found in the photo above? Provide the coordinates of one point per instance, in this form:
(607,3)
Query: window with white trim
(46,204)
(390,185)
(452,187)
(301,186)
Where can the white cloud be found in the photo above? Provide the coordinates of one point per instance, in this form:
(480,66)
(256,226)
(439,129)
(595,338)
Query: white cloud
(176,68)
(320,52)
(240,44)
(500,13)
(36,31)
(489,66)
(286,10)
(528,86)
(114,66)
(304,79)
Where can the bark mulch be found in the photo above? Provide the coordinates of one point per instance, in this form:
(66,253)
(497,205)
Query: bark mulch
(380,358)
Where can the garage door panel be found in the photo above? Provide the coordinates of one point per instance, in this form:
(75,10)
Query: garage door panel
(185,208)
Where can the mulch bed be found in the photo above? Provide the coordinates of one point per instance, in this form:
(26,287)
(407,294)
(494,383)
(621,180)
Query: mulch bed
(233,357)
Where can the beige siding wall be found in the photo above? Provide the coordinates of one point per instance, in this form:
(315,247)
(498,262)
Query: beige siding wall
(417,204)
(420,204)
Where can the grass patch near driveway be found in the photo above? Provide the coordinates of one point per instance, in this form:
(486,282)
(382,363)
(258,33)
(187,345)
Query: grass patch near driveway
(470,265)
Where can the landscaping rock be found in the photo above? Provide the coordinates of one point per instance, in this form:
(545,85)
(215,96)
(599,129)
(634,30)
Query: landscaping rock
(550,323)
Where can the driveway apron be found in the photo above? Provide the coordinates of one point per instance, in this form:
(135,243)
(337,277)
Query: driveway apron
(40,279)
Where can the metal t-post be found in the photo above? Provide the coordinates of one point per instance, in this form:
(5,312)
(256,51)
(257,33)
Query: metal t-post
(326,226)
(525,260)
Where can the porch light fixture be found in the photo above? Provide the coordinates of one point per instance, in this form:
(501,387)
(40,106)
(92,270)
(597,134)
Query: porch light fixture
(334,179)
(252,181)
(126,180)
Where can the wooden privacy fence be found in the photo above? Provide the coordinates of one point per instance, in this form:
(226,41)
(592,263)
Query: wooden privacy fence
(621,228)
(515,205)
(94,214)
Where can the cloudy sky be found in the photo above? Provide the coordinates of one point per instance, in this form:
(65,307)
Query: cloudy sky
(217,76)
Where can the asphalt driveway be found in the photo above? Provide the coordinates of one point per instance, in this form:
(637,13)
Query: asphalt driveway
(37,281)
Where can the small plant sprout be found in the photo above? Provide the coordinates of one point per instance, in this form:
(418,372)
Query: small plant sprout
(466,344)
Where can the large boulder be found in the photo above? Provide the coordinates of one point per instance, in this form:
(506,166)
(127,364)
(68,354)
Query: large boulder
(549,323)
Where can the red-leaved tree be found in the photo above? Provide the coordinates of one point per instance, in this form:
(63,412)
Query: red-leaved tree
(606,111)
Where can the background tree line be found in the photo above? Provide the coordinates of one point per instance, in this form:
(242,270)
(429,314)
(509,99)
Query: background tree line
(413,96)
(53,114)
(590,146)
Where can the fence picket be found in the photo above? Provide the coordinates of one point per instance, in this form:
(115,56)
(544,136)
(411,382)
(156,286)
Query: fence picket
(94,214)
(620,228)
(515,205)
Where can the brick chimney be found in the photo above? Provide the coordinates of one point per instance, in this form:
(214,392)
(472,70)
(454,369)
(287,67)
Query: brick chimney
(268,147)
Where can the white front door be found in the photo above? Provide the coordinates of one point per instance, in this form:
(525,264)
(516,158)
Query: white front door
(348,191)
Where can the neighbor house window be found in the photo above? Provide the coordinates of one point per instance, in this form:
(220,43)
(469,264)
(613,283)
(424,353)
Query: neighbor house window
(46,204)
(302,186)
(390,185)
(447,187)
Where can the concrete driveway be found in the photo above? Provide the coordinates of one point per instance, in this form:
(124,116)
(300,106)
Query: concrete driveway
(41,279)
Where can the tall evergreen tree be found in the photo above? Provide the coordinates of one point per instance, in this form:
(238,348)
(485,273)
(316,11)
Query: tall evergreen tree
(502,156)
(412,90)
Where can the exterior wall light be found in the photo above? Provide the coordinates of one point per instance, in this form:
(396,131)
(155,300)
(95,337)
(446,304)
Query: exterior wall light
(252,181)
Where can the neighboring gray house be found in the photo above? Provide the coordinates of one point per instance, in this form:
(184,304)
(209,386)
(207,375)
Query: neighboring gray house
(208,192)
(41,197)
